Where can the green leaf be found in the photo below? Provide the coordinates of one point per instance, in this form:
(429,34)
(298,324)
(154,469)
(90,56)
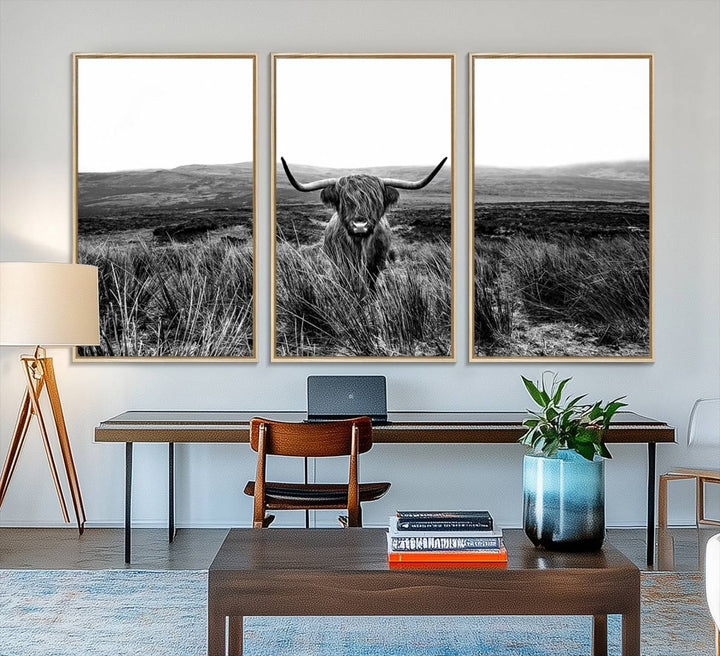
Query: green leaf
(587,451)
(558,393)
(585,436)
(534,392)
(576,400)
(595,412)
(572,424)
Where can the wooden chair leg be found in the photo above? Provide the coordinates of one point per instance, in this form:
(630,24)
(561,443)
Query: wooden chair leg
(699,501)
(703,519)
(662,501)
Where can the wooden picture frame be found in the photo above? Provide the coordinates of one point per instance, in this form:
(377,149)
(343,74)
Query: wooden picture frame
(560,234)
(349,282)
(165,203)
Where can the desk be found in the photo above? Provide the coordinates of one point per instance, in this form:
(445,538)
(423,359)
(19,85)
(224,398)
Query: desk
(281,572)
(173,427)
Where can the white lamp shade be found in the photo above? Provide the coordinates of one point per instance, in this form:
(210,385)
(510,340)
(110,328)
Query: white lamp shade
(48,304)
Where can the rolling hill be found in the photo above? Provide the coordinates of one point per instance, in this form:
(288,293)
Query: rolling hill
(606,181)
(224,186)
(194,186)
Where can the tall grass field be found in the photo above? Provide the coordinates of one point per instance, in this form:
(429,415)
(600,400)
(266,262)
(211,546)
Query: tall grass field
(173,300)
(174,251)
(562,261)
(319,312)
(540,297)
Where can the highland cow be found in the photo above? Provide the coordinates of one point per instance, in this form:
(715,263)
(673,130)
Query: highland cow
(357,237)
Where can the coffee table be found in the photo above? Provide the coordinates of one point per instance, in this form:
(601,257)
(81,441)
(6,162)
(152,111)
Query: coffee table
(345,572)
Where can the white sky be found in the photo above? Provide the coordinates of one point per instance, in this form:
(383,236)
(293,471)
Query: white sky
(163,112)
(550,112)
(348,113)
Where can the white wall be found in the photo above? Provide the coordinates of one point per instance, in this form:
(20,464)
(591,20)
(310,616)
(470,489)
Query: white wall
(35,221)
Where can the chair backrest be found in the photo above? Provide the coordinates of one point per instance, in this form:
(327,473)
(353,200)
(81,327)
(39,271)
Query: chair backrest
(704,423)
(311,440)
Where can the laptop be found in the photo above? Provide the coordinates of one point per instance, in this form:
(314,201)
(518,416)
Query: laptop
(330,398)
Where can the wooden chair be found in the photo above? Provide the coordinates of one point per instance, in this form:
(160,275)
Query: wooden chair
(701,477)
(703,429)
(349,437)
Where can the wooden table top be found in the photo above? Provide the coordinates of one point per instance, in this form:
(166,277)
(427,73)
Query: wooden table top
(365,550)
(406,426)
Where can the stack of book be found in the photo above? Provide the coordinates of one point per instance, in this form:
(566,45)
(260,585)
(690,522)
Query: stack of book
(449,538)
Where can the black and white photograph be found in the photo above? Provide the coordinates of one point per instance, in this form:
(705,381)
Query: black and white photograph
(561,189)
(165,171)
(363,207)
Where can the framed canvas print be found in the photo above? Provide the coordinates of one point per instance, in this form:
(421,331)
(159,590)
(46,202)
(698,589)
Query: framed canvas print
(561,193)
(165,202)
(362,246)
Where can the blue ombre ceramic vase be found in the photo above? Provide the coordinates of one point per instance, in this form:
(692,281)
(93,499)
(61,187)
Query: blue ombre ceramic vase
(564,501)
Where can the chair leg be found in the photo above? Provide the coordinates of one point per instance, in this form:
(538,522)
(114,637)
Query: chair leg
(354,516)
(699,501)
(662,501)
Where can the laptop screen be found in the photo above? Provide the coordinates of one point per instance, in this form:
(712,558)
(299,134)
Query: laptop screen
(341,397)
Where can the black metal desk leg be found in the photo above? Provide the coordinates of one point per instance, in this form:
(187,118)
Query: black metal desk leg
(171,491)
(651,505)
(128,497)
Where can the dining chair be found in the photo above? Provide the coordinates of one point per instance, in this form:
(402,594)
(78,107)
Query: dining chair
(348,437)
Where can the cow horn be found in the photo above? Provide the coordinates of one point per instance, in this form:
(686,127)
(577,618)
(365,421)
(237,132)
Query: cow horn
(308,186)
(419,184)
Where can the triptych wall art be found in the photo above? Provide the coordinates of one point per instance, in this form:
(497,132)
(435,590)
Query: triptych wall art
(362,218)
(165,170)
(363,207)
(561,206)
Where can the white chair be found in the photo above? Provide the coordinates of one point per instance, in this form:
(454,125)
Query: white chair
(712,584)
(703,430)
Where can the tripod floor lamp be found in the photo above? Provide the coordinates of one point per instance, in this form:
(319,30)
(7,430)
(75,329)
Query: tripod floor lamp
(54,305)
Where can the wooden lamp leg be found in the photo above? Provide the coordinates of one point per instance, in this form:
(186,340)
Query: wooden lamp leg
(21,427)
(64,440)
(32,375)
(39,374)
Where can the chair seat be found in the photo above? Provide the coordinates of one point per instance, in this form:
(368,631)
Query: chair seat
(316,495)
(691,472)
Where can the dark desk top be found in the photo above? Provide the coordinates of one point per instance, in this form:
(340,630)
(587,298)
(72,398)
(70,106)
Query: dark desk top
(407,426)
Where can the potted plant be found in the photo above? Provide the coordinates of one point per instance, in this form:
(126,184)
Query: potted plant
(564,467)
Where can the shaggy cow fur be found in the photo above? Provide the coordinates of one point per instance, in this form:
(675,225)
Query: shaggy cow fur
(357,238)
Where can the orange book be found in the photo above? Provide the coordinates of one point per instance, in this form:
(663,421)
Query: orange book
(448,565)
(450,557)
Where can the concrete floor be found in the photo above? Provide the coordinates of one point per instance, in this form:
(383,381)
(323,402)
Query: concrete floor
(680,549)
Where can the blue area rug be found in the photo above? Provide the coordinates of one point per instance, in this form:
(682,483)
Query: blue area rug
(130,612)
